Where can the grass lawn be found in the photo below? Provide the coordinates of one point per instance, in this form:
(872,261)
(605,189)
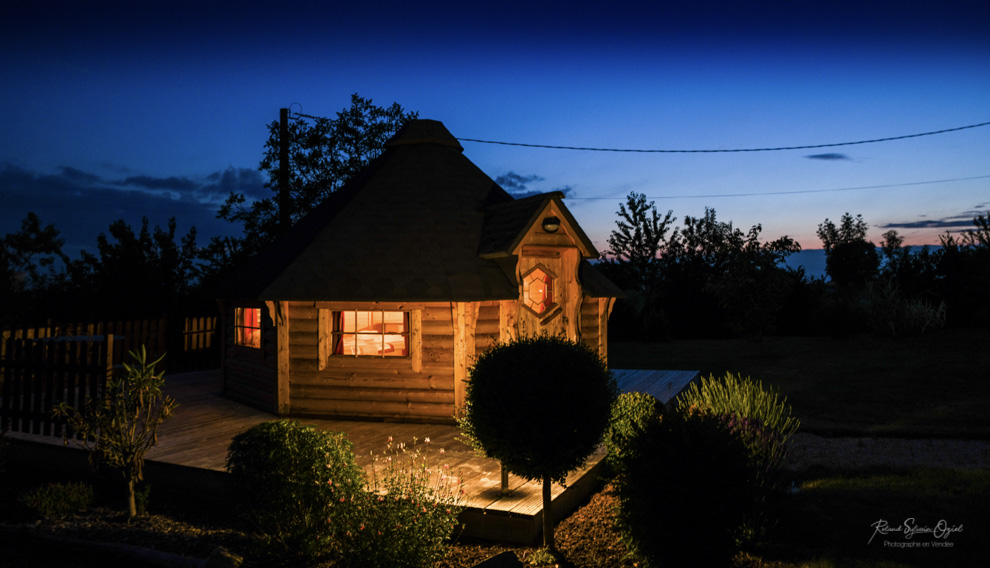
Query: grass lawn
(936,385)
(834,519)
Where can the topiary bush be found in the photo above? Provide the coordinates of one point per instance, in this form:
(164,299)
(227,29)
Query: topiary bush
(539,405)
(407,517)
(58,500)
(685,488)
(292,477)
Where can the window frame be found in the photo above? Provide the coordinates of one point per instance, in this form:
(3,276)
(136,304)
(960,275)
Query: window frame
(243,330)
(333,333)
(551,290)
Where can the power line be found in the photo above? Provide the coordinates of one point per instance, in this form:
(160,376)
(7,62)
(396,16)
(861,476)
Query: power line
(795,192)
(729,150)
(776,149)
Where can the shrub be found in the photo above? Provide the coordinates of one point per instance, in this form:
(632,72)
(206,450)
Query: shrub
(119,429)
(743,396)
(539,405)
(631,415)
(407,517)
(291,475)
(59,500)
(684,489)
(762,420)
(891,313)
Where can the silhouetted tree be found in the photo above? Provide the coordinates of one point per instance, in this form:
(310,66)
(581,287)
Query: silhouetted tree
(323,153)
(964,272)
(717,278)
(913,274)
(851,261)
(637,242)
(32,268)
(138,274)
(28,257)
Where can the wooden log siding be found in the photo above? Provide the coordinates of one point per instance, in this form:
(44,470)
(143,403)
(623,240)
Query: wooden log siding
(488,328)
(250,375)
(590,322)
(417,387)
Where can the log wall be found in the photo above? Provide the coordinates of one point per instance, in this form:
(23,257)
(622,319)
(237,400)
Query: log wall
(593,324)
(250,375)
(487,331)
(417,387)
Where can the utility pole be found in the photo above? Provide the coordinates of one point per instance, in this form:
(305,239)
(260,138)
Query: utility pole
(284,199)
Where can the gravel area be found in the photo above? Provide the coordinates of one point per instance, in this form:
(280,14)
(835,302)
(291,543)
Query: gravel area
(809,450)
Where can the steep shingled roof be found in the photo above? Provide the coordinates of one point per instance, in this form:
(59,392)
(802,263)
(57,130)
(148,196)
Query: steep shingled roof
(410,227)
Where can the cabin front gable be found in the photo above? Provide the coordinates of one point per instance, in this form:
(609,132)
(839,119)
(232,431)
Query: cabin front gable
(552,298)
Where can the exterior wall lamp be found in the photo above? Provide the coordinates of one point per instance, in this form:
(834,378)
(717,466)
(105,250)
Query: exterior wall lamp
(551,224)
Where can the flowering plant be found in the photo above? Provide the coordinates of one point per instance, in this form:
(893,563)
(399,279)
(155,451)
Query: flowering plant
(406,517)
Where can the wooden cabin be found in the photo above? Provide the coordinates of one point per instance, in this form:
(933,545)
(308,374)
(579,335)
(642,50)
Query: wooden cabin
(376,304)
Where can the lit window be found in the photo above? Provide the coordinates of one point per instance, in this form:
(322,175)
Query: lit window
(247,327)
(375,334)
(538,290)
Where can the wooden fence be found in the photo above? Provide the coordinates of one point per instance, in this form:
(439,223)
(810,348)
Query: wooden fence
(199,347)
(38,374)
(191,348)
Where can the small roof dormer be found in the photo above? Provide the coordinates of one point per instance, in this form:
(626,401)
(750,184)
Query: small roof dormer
(508,225)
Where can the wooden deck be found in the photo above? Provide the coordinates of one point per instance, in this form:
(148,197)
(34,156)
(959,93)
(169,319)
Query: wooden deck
(192,449)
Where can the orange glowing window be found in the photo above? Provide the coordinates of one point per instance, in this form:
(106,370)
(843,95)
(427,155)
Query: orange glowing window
(373,334)
(247,327)
(538,290)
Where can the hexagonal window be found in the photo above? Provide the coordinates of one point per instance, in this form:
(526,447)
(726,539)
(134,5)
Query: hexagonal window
(538,290)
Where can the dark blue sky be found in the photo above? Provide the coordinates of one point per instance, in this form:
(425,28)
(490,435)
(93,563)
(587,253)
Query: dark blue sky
(111,111)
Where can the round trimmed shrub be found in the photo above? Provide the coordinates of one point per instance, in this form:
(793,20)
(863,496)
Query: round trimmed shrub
(290,475)
(539,405)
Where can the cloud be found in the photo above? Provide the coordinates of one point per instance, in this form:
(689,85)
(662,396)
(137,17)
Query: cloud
(963,220)
(518,185)
(81,205)
(149,182)
(78,175)
(830,157)
(248,181)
